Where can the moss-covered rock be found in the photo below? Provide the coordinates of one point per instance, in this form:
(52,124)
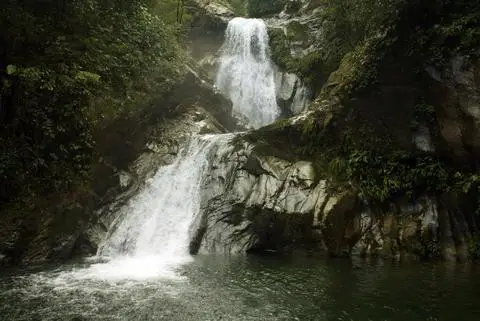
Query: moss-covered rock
(262,8)
(73,223)
(390,125)
(310,67)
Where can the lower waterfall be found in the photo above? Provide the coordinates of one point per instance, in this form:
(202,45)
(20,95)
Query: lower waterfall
(151,234)
(156,221)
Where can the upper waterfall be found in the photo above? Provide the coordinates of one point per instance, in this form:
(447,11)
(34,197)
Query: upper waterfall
(246,75)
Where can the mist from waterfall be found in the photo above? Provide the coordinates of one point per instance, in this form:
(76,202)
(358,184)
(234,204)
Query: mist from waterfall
(246,74)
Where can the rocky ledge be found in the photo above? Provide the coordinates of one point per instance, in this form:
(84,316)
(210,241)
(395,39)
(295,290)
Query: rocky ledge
(256,202)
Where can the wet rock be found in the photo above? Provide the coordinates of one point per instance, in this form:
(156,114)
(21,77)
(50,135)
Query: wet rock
(293,96)
(124,179)
(253,202)
(455,92)
(423,139)
(215,10)
(208,25)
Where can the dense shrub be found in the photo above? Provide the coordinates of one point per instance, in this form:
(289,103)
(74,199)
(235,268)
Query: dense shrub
(66,68)
(348,22)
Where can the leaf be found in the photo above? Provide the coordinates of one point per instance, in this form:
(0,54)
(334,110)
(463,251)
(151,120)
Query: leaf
(11,69)
(87,76)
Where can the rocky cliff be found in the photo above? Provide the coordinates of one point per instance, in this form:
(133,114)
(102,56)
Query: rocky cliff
(132,150)
(258,200)
(383,162)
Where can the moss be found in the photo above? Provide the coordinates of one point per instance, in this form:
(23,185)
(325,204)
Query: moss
(474,248)
(239,7)
(311,68)
(360,68)
(297,31)
(280,48)
(262,8)
(293,6)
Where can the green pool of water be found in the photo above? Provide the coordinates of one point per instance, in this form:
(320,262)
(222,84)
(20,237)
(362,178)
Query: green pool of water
(248,288)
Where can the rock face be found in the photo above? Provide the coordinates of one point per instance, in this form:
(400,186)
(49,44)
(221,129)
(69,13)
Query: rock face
(132,152)
(256,203)
(455,92)
(209,22)
(301,25)
(253,202)
(293,96)
(429,228)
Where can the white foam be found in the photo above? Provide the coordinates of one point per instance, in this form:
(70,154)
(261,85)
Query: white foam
(135,268)
(151,237)
(246,75)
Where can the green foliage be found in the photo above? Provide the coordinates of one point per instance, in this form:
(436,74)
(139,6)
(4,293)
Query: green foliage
(347,23)
(358,36)
(172,12)
(474,248)
(67,69)
(238,6)
(262,8)
(280,48)
(466,31)
(375,169)
(311,68)
(357,71)
(355,38)
(407,33)
(451,28)
(380,177)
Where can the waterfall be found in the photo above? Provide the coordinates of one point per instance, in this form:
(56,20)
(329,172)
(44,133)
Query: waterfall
(150,236)
(246,75)
(158,218)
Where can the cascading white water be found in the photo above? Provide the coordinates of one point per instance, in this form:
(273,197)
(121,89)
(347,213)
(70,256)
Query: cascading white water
(157,220)
(246,75)
(151,235)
